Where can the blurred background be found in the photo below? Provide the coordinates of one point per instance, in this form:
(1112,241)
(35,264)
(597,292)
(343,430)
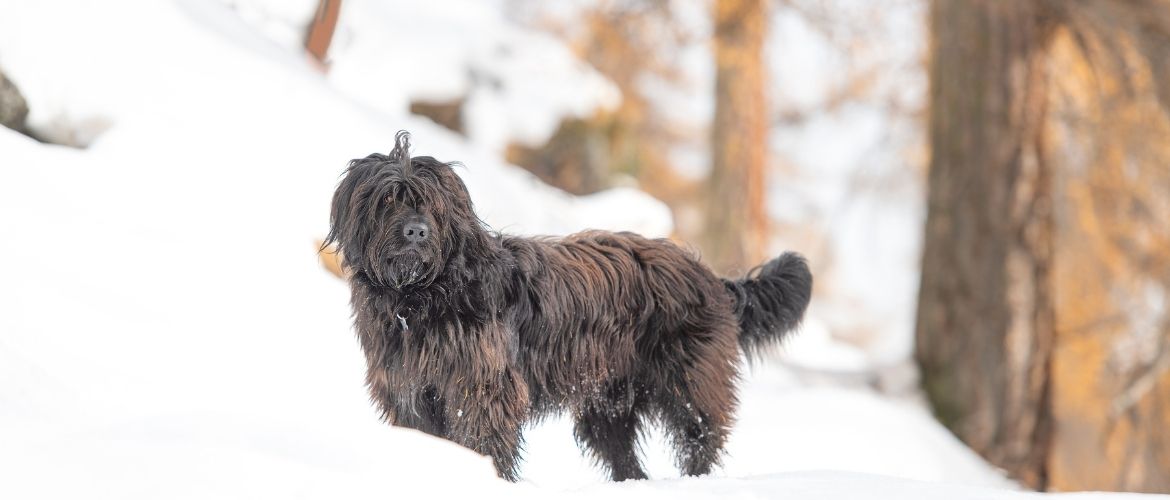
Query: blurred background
(982,188)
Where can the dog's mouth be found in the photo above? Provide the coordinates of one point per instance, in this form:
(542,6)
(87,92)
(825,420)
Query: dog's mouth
(407,268)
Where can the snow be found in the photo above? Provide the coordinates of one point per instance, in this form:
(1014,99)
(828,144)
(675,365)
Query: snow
(850,165)
(786,424)
(518,83)
(821,485)
(167,330)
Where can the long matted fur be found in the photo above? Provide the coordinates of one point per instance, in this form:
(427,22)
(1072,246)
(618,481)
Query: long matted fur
(469,334)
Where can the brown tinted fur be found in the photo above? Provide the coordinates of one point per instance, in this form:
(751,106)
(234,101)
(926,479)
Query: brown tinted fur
(470,335)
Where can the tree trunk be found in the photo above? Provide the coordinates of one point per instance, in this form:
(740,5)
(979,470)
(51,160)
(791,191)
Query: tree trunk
(985,319)
(1111,366)
(320,34)
(735,225)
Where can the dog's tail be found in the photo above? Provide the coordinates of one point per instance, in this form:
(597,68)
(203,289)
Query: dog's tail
(770,301)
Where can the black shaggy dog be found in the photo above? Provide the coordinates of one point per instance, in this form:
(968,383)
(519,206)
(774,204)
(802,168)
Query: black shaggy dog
(470,335)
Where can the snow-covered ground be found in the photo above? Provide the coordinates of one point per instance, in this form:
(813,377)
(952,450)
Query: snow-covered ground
(166,330)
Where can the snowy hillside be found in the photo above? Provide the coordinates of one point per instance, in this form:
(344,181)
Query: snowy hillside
(166,330)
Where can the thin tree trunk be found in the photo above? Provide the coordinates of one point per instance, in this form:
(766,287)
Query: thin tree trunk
(985,318)
(735,225)
(320,34)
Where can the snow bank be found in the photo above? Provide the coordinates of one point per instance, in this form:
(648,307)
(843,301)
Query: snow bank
(196,86)
(786,425)
(168,332)
(518,84)
(823,485)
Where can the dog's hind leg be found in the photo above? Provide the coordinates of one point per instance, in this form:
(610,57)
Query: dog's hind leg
(608,428)
(696,407)
(487,418)
(697,427)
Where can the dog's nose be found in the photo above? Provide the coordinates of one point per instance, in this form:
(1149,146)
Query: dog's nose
(415,232)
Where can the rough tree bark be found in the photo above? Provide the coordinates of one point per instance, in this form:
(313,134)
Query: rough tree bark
(1043,333)
(985,318)
(1111,366)
(735,223)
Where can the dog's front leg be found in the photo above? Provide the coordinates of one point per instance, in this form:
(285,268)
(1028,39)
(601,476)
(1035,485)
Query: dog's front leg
(424,411)
(421,409)
(487,417)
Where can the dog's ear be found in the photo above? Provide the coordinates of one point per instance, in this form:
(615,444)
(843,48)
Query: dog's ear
(345,215)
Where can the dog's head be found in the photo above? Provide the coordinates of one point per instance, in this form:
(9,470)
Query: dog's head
(398,220)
